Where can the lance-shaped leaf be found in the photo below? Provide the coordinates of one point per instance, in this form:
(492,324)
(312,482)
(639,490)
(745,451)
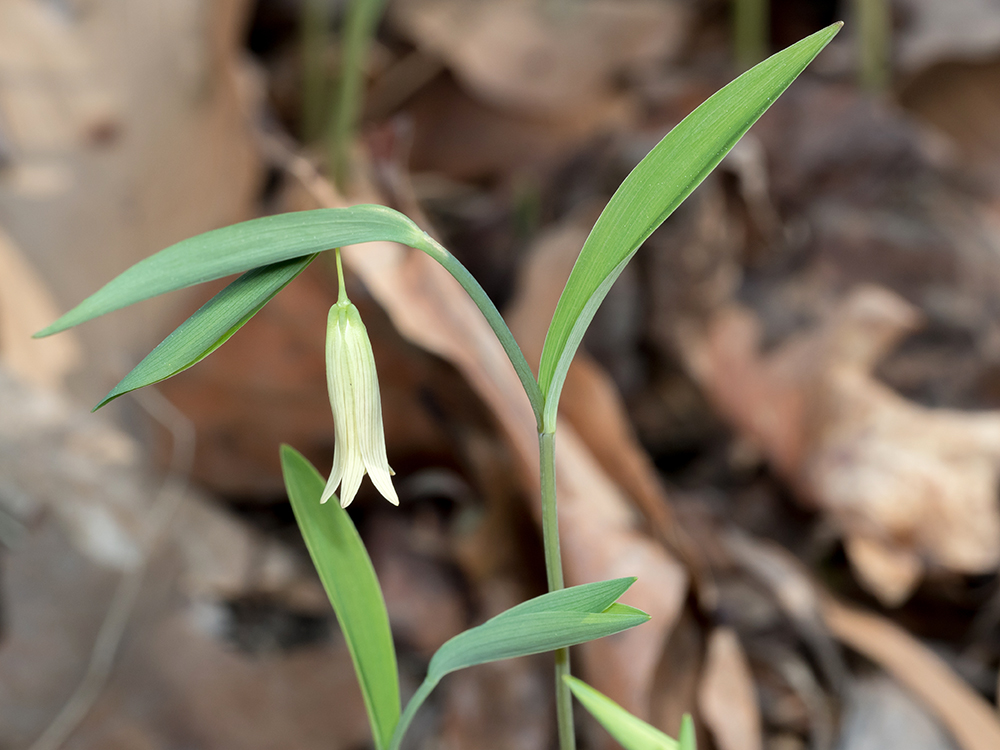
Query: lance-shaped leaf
(273,239)
(238,248)
(631,732)
(349,579)
(554,620)
(211,326)
(660,182)
(686,738)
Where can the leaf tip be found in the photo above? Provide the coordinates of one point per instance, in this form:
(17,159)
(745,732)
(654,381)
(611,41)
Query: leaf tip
(47,331)
(626,583)
(832,30)
(111,396)
(686,738)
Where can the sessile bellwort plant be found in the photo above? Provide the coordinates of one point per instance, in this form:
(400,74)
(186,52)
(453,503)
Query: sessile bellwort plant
(270,252)
(359,438)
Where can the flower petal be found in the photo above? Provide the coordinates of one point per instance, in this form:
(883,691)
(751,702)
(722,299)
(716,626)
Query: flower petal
(357,408)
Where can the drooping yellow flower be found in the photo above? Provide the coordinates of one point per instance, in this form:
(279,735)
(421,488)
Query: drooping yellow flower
(357,407)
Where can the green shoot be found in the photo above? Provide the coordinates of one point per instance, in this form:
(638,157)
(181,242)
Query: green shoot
(751,25)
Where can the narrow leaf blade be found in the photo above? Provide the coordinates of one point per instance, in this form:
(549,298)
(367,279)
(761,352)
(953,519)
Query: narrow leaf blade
(349,579)
(589,597)
(240,247)
(631,732)
(661,181)
(533,633)
(210,326)
(685,737)
(555,620)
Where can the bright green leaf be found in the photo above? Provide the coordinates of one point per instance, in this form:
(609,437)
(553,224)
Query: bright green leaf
(631,732)
(211,326)
(349,579)
(530,634)
(661,181)
(554,620)
(686,738)
(240,247)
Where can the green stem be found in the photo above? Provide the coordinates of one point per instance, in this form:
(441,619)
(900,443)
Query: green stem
(358,30)
(313,40)
(750,30)
(875,38)
(410,711)
(554,573)
(493,317)
(342,292)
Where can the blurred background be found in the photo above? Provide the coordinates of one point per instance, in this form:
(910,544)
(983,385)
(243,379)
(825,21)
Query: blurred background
(785,419)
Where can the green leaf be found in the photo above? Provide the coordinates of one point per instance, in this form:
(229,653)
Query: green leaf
(211,326)
(554,620)
(349,579)
(631,732)
(660,182)
(238,248)
(531,633)
(273,239)
(686,738)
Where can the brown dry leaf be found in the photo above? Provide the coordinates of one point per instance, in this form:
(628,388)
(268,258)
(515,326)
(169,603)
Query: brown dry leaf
(25,307)
(55,98)
(879,713)
(600,538)
(971,720)
(675,685)
(465,139)
(794,592)
(727,698)
(548,59)
(81,504)
(959,99)
(909,486)
(934,32)
(127,132)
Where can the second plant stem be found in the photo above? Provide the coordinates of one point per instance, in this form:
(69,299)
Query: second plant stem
(554,574)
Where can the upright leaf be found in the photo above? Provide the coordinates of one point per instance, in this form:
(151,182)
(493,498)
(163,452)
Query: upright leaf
(349,579)
(685,737)
(210,326)
(631,732)
(661,181)
(238,248)
(554,620)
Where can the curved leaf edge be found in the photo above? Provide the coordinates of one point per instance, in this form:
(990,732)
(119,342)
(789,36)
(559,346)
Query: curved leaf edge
(583,601)
(379,681)
(564,337)
(282,275)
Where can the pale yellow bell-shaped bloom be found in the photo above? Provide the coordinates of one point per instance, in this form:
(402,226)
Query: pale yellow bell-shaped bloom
(357,408)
